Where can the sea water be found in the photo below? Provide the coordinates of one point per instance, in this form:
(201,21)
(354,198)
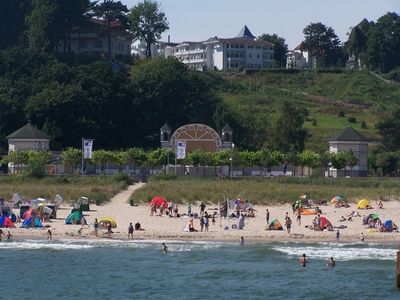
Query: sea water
(110,269)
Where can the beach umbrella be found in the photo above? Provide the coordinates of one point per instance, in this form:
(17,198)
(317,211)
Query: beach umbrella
(106,220)
(159,201)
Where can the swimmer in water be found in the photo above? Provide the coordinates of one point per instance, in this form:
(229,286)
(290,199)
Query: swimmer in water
(165,248)
(331,262)
(303,260)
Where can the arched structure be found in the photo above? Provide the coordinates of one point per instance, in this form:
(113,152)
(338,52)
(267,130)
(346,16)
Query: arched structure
(197,136)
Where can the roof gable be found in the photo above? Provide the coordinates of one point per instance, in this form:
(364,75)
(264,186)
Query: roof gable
(28,132)
(348,135)
(245,33)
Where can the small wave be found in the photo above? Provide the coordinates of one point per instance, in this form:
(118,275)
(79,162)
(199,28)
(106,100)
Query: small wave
(339,252)
(36,245)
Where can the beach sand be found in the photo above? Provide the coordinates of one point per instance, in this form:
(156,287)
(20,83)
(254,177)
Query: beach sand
(167,228)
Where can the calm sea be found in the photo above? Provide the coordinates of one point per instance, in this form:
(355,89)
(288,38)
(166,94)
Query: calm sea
(107,269)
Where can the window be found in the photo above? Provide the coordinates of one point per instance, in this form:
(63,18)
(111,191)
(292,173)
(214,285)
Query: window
(82,44)
(250,55)
(99,44)
(258,55)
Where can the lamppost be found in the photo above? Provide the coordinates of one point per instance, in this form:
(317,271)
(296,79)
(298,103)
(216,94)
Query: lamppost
(231,167)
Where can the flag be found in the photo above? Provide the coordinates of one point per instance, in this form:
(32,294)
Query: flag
(87,148)
(180,150)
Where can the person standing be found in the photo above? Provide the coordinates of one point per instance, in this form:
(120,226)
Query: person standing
(267,216)
(206,222)
(241,221)
(96,227)
(189,210)
(288,224)
(298,217)
(201,223)
(1,234)
(337,235)
(109,231)
(362,237)
(202,208)
(49,234)
(213,219)
(241,241)
(130,231)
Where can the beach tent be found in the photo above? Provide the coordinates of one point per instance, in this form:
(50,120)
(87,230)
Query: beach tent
(28,223)
(103,222)
(363,204)
(325,224)
(74,218)
(390,226)
(374,217)
(308,211)
(159,201)
(274,225)
(337,198)
(27,214)
(35,203)
(6,222)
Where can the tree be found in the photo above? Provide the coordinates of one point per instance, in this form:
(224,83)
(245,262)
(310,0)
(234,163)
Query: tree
(322,42)
(287,133)
(147,22)
(309,159)
(168,91)
(338,160)
(42,23)
(384,43)
(111,11)
(280,49)
(71,157)
(102,157)
(12,22)
(389,129)
(351,160)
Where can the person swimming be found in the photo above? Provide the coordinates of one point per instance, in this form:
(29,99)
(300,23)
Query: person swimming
(164,248)
(331,262)
(303,260)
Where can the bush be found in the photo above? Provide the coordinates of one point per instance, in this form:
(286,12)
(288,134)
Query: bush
(352,120)
(341,114)
(363,124)
(164,177)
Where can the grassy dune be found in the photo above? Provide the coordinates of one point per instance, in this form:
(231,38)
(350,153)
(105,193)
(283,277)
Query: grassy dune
(267,191)
(99,188)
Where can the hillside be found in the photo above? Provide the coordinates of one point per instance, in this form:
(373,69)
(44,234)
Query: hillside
(330,96)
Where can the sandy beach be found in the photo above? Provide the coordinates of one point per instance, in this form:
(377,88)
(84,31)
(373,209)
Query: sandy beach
(168,228)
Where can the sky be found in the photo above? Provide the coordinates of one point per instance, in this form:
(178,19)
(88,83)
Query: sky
(197,20)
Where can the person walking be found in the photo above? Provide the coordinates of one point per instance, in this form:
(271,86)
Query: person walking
(201,223)
(267,216)
(130,231)
(189,210)
(164,248)
(206,222)
(49,234)
(337,235)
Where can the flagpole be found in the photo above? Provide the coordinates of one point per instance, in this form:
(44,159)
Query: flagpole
(82,158)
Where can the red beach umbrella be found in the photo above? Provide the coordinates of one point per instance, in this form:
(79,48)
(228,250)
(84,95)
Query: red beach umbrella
(159,201)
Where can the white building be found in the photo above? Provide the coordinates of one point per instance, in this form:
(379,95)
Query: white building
(350,140)
(157,49)
(301,58)
(242,52)
(94,38)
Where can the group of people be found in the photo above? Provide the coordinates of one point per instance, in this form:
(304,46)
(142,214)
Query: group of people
(304,261)
(131,228)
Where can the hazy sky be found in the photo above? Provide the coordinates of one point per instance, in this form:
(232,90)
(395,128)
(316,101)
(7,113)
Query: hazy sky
(194,20)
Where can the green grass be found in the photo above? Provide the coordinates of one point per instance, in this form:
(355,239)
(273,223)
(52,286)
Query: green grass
(99,189)
(324,93)
(266,191)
